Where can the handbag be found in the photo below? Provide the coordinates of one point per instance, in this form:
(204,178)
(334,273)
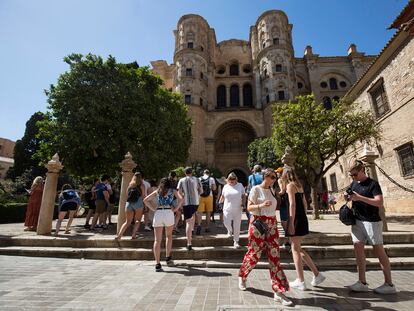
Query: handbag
(260,225)
(347,215)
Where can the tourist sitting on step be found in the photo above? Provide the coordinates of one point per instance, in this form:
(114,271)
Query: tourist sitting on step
(69,201)
(164,210)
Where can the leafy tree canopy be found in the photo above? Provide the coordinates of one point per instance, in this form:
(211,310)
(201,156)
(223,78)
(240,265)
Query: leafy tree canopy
(25,161)
(262,151)
(101,109)
(319,137)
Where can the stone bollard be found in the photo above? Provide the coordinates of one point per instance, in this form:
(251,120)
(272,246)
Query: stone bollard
(127,166)
(368,156)
(44,225)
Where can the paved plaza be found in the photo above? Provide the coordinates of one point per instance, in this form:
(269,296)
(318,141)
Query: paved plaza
(28,283)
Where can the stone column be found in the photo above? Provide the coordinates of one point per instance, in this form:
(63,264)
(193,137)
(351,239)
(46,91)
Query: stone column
(368,156)
(127,166)
(241,99)
(44,225)
(227,96)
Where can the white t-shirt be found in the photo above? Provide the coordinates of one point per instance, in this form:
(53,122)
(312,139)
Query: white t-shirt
(258,195)
(211,182)
(147,187)
(191,188)
(233,196)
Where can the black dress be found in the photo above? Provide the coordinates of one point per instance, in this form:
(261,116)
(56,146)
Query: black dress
(301,221)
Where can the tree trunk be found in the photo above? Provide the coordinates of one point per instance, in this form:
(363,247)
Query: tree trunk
(315,203)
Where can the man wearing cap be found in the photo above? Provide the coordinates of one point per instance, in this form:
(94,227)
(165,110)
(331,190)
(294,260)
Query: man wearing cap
(190,188)
(366,196)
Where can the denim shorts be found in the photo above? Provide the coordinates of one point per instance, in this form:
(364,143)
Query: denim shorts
(133,206)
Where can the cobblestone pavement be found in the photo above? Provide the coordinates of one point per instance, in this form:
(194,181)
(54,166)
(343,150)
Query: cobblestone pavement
(73,284)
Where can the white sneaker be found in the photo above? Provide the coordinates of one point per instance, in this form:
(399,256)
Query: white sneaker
(385,289)
(318,279)
(358,287)
(147,228)
(242,283)
(236,245)
(229,234)
(298,284)
(279,297)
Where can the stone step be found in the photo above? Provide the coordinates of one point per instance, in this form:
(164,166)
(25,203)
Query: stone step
(146,242)
(220,253)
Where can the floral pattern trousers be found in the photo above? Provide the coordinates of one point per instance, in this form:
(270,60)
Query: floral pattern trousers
(255,248)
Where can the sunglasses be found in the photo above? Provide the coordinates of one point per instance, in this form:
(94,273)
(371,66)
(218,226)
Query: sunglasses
(271,176)
(353,174)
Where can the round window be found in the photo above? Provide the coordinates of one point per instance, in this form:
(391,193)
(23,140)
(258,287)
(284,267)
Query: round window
(324,84)
(300,85)
(342,84)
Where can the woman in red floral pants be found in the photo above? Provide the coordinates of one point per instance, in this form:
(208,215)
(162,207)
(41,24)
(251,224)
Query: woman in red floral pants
(262,205)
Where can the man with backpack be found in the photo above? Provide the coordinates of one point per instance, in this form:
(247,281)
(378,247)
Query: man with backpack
(206,201)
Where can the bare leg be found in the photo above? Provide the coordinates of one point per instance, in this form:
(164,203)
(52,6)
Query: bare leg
(309,262)
(138,217)
(94,220)
(71,215)
(384,262)
(208,218)
(125,225)
(59,221)
(177,218)
(168,240)
(88,216)
(157,243)
(189,229)
(296,253)
(199,218)
(359,249)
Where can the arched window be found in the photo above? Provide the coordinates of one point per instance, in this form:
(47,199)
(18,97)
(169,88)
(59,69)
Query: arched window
(234,96)
(278,67)
(327,103)
(247,95)
(281,95)
(234,69)
(333,84)
(221,96)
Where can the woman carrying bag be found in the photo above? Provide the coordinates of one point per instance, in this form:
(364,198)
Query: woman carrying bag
(263,232)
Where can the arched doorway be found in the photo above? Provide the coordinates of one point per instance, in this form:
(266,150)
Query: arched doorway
(230,149)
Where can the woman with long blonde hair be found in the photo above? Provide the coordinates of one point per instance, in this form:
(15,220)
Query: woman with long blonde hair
(134,205)
(297,228)
(33,206)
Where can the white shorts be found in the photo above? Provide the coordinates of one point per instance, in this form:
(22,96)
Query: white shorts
(367,232)
(163,218)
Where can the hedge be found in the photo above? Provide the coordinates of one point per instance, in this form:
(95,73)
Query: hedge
(16,212)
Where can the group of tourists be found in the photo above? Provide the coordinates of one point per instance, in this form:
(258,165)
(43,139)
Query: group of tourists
(163,206)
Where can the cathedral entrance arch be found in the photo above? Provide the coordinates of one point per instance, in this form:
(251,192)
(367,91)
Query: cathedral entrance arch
(230,149)
(241,175)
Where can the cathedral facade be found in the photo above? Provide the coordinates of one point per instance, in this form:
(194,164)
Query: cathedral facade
(229,85)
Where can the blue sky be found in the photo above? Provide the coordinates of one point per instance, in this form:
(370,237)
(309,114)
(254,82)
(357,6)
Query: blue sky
(36,35)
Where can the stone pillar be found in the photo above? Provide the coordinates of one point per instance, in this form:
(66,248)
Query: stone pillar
(227,96)
(368,156)
(241,99)
(44,225)
(127,166)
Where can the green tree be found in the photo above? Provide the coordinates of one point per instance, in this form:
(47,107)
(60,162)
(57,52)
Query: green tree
(262,151)
(319,137)
(101,109)
(25,161)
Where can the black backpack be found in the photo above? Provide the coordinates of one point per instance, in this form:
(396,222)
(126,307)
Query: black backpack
(205,183)
(347,215)
(69,195)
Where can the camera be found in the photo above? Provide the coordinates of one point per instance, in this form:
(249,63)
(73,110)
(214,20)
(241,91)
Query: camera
(349,191)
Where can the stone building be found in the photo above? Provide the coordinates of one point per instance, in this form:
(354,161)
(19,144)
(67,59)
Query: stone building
(387,89)
(6,156)
(229,85)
